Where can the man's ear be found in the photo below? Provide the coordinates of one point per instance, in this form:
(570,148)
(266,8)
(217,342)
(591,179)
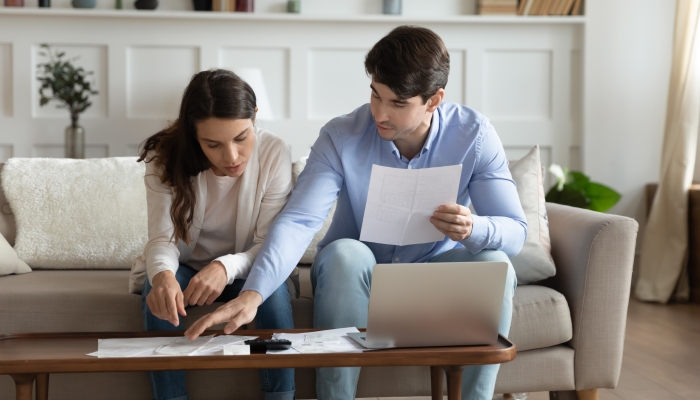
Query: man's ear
(435,100)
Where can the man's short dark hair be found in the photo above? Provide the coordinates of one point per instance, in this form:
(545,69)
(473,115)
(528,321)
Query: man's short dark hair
(411,61)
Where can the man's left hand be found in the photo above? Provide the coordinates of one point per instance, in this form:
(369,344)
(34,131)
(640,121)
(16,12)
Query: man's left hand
(454,220)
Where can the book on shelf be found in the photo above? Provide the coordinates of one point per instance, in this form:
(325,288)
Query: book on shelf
(549,7)
(497,7)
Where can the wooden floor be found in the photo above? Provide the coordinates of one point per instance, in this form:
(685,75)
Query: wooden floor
(661,360)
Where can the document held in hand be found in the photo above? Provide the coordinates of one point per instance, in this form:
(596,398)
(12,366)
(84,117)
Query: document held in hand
(400,203)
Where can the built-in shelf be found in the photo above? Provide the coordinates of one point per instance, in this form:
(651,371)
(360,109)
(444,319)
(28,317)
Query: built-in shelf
(457,19)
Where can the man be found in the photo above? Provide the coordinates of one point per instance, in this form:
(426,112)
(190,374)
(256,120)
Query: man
(406,125)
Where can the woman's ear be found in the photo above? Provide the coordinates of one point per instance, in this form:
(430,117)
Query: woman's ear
(256,115)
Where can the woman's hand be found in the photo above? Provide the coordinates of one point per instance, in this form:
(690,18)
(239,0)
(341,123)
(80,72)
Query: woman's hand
(237,312)
(165,298)
(454,220)
(206,285)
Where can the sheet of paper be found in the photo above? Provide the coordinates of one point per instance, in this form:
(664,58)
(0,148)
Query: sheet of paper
(132,347)
(184,346)
(216,346)
(343,345)
(401,201)
(147,347)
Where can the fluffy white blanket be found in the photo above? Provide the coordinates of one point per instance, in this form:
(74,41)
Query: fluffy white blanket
(77,214)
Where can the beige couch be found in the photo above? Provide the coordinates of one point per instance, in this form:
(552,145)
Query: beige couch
(569,330)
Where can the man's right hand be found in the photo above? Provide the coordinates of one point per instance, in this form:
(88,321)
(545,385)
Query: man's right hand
(165,300)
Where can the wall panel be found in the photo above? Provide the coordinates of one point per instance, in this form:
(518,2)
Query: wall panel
(156,79)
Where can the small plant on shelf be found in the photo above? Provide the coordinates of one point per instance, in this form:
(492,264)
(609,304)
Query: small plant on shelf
(63,82)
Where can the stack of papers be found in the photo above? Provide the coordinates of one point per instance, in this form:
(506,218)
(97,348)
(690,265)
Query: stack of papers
(166,346)
(329,341)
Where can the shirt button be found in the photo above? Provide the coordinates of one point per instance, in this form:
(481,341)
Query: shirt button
(396,259)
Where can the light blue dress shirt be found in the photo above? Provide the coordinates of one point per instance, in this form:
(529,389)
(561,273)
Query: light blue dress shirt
(340,165)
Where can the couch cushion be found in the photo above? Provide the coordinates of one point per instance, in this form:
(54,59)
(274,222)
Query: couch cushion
(541,316)
(88,301)
(8,228)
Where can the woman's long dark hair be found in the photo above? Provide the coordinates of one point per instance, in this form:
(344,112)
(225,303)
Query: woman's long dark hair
(178,156)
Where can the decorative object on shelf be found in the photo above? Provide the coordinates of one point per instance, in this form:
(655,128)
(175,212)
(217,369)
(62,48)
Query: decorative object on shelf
(45,3)
(547,7)
(83,3)
(245,5)
(294,6)
(575,189)
(146,4)
(14,3)
(254,78)
(62,81)
(392,7)
(497,7)
(202,5)
(118,4)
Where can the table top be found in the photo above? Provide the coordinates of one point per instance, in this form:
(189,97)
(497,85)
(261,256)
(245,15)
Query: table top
(66,352)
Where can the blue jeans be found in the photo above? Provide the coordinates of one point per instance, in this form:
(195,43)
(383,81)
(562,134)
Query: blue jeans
(274,313)
(341,277)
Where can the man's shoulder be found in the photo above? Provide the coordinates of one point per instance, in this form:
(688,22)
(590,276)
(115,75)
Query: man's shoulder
(354,123)
(459,115)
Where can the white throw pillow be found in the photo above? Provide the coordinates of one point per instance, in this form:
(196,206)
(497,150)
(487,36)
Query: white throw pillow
(310,253)
(534,263)
(77,214)
(9,262)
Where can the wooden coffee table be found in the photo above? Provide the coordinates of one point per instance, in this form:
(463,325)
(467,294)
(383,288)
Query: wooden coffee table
(32,357)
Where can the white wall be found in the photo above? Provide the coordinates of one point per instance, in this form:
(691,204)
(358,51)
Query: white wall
(627,70)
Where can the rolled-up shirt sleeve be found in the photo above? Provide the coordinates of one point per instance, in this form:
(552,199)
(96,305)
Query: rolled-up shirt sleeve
(500,222)
(291,232)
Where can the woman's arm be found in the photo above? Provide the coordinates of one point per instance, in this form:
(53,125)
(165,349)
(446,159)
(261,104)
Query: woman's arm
(165,299)
(161,253)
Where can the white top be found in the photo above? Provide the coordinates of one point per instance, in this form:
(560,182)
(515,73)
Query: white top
(218,235)
(263,190)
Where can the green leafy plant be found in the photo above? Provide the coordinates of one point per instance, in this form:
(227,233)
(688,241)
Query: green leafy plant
(575,189)
(63,82)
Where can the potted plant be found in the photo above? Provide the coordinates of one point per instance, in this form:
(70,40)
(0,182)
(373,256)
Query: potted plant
(575,189)
(62,81)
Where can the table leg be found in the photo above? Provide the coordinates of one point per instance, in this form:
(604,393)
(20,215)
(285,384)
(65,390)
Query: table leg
(454,382)
(42,387)
(436,382)
(24,385)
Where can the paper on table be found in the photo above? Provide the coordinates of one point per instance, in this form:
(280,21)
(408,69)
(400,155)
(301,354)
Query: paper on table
(216,345)
(343,345)
(131,347)
(146,347)
(401,201)
(184,346)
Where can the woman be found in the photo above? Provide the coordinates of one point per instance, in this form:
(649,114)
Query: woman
(214,183)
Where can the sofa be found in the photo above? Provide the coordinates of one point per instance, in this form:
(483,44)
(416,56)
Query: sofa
(568,329)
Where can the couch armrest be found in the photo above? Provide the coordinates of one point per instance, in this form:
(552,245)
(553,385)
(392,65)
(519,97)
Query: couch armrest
(593,253)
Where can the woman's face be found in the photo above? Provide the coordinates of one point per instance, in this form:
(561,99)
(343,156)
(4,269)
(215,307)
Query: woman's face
(227,143)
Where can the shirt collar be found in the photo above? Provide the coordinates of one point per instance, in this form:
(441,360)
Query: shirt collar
(432,133)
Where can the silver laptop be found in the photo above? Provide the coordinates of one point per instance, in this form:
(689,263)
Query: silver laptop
(434,304)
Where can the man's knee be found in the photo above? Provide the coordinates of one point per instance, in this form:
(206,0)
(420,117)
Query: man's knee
(499,256)
(345,256)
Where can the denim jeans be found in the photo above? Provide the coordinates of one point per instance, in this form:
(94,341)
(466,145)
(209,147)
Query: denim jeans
(274,313)
(341,277)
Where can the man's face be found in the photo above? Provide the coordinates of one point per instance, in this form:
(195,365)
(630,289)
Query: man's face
(395,118)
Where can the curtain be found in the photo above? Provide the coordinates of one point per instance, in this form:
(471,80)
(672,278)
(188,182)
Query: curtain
(662,269)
